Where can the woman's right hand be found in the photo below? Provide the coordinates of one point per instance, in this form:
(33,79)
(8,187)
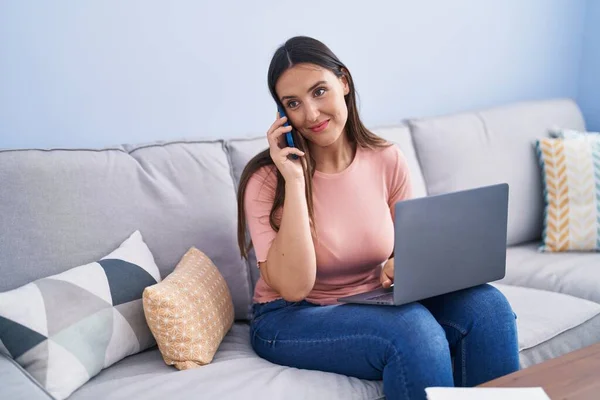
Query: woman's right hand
(291,169)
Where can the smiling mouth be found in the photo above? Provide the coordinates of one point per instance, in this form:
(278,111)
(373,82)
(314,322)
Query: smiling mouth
(320,127)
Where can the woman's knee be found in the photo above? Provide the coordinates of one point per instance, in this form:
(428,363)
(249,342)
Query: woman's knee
(490,311)
(488,300)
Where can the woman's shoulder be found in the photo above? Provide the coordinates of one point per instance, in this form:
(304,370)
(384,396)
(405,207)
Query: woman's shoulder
(389,161)
(389,154)
(263,180)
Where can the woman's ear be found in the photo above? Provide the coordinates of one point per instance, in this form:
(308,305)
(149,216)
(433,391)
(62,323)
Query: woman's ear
(345,83)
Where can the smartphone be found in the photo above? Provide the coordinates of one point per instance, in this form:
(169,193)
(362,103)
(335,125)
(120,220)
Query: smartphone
(288,136)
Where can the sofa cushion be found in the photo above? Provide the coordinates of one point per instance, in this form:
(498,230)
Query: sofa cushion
(189,312)
(241,151)
(571,179)
(547,328)
(551,324)
(66,328)
(473,149)
(576,274)
(236,372)
(583,335)
(63,208)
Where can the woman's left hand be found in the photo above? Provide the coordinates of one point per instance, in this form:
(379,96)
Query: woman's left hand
(387,273)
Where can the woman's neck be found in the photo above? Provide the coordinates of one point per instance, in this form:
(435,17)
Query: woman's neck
(334,158)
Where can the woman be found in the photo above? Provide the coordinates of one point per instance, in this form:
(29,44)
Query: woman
(321,224)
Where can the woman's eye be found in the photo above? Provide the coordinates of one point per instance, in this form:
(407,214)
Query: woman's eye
(292,104)
(320,92)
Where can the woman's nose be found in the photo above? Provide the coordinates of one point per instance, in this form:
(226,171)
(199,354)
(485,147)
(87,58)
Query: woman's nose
(312,112)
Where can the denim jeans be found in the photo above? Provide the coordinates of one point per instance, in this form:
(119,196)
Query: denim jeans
(462,338)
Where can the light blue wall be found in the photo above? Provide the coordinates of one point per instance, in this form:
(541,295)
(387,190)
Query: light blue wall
(76,73)
(589,82)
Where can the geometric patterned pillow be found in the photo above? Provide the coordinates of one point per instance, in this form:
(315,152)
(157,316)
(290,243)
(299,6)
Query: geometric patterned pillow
(66,328)
(571,178)
(190,311)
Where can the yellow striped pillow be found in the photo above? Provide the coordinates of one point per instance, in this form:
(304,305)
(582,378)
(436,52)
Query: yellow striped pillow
(571,178)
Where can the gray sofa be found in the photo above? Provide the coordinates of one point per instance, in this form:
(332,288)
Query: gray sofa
(61,208)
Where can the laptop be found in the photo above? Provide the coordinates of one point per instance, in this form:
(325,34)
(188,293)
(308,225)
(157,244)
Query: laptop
(445,243)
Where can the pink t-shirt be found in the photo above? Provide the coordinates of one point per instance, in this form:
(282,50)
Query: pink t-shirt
(353,212)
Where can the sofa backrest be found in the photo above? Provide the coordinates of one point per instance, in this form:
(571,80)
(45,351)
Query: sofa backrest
(467,150)
(63,208)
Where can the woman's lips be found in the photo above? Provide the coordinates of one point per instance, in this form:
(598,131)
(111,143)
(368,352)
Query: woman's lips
(321,127)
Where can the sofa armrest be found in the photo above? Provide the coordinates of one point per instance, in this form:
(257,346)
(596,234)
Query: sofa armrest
(16,383)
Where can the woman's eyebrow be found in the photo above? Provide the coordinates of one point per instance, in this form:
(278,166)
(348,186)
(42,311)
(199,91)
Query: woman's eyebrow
(308,91)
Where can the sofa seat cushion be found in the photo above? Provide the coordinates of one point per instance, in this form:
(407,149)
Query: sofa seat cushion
(551,324)
(574,273)
(236,372)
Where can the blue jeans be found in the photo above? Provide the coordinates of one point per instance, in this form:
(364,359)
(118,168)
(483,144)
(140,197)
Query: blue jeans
(462,338)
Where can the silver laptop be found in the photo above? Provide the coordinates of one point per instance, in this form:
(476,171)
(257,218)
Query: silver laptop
(445,243)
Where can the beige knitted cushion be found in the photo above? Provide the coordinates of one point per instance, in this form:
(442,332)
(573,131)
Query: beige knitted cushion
(190,311)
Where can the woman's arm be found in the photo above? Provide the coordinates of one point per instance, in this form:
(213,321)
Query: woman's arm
(291,265)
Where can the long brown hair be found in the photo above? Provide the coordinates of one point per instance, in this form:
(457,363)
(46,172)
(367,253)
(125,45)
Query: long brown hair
(301,49)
